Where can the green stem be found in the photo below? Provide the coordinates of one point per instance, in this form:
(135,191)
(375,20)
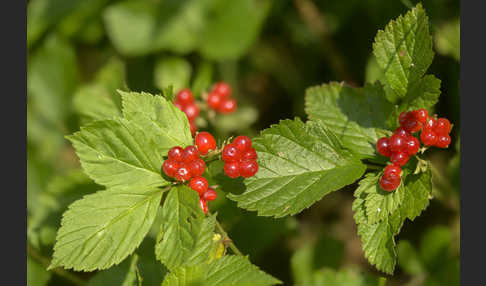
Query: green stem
(32,252)
(231,245)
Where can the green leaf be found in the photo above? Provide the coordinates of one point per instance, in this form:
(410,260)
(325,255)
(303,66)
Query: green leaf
(102,229)
(203,78)
(377,231)
(356,115)
(232,28)
(51,79)
(175,71)
(36,273)
(166,125)
(185,236)
(94,102)
(408,259)
(117,152)
(299,164)
(348,277)
(228,270)
(125,274)
(448,39)
(135,27)
(404,50)
(422,94)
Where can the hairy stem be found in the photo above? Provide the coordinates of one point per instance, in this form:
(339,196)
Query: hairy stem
(228,240)
(32,252)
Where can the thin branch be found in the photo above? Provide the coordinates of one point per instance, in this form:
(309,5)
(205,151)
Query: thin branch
(228,240)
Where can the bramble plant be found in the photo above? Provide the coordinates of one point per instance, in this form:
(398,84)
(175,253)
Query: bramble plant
(147,159)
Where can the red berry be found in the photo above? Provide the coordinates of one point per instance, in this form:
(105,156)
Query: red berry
(421,115)
(176,153)
(402,118)
(232,169)
(430,124)
(390,182)
(242,143)
(428,137)
(205,142)
(413,145)
(383,146)
(183,173)
(179,105)
(399,158)
(190,153)
(248,168)
(199,184)
(443,126)
(191,111)
(184,96)
(392,169)
(222,88)
(227,105)
(204,205)
(443,141)
(402,132)
(412,125)
(397,143)
(214,100)
(249,155)
(197,167)
(210,195)
(170,167)
(193,127)
(230,153)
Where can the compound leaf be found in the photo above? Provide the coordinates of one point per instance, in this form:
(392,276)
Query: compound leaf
(185,236)
(299,164)
(102,229)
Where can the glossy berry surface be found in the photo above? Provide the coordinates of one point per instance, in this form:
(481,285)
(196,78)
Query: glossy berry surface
(230,153)
(205,142)
(176,153)
(249,155)
(248,168)
(428,137)
(227,105)
(392,169)
(204,205)
(170,167)
(242,143)
(210,195)
(412,126)
(390,182)
(183,173)
(397,143)
(443,141)
(401,132)
(421,115)
(199,184)
(222,88)
(190,153)
(191,111)
(232,169)
(402,118)
(193,127)
(383,146)
(443,126)
(413,145)
(214,100)
(430,124)
(184,96)
(399,158)
(197,167)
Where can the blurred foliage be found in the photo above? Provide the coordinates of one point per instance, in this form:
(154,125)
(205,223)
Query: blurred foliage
(81,52)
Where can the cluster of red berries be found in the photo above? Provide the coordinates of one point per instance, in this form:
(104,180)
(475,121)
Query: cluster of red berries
(219,98)
(184,100)
(240,158)
(402,144)
(200,185)
(183,164)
